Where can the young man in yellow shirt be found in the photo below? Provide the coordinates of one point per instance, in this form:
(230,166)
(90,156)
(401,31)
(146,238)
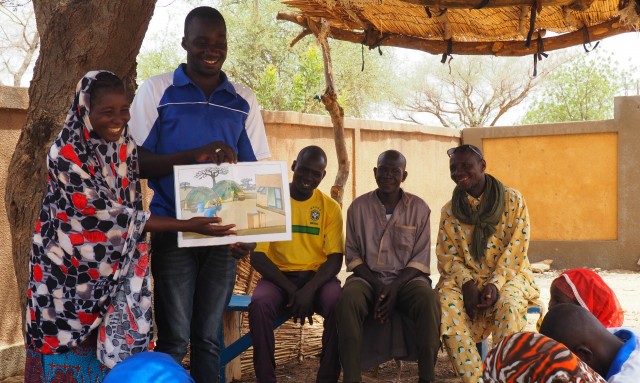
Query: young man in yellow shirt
(299,276)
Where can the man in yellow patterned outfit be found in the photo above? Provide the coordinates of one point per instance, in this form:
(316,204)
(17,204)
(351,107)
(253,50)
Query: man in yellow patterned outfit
(485,276)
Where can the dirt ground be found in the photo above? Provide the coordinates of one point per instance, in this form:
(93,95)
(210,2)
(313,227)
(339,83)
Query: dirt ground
(626,285)
(391,371)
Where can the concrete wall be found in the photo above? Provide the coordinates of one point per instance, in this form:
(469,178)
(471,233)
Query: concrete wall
(424,147)
(13,104)
(581,182)
(552,176)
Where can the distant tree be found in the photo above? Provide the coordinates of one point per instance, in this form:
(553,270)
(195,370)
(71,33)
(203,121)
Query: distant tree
(212,172)
(582,90)
(184,185)
(470,91)
(163,59)
(246,183)
(19,39)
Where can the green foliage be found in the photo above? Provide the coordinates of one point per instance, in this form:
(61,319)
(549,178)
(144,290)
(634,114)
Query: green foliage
(292,78)
(155,62)
(284,77)
(581,90)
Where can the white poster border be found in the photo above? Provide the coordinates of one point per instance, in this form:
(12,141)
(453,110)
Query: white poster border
(185,174)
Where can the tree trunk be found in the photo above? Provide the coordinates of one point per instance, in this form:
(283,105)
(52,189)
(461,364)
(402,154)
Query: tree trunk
(76,37)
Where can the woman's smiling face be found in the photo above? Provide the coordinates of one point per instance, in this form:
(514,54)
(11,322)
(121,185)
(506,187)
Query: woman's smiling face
(109,113)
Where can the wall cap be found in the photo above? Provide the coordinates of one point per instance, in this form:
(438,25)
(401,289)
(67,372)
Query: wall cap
(305,119)
(12,97)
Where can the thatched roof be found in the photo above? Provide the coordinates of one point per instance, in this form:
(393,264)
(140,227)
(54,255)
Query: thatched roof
(499,27)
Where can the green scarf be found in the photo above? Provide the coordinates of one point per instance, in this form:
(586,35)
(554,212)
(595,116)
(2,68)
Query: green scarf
(486,218)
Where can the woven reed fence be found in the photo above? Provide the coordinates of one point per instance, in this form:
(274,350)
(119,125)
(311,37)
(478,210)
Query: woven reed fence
(293,342)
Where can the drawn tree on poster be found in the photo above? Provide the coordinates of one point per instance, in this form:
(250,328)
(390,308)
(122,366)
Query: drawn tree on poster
(246,183)
(184,185)
(212,172)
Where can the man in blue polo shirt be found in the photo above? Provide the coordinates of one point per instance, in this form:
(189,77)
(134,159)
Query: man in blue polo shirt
(612,353)
(172,116)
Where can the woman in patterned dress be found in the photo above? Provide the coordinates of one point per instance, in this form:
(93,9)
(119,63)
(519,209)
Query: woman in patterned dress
(91,224)
(534,358)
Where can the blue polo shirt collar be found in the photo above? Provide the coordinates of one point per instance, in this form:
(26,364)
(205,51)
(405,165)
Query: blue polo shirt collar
(180,78)
(629,339)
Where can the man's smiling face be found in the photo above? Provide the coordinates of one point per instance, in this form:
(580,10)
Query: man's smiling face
(467,171)
(206,46)
(307,174)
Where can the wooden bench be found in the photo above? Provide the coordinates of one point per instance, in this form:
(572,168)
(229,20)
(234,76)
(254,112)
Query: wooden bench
(232,344)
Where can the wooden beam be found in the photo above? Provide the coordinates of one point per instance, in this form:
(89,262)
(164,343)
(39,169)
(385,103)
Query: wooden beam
(232,324)
(499,48)
(475,4)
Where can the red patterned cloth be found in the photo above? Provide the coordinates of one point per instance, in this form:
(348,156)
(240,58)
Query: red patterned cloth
(89,226)
(534,358)
(591,292)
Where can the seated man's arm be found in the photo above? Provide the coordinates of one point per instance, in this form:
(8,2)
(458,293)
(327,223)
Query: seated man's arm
(302,300)
(355,250)
(363,271)
(417,265)
(270,271)
(355,253)
(388,294)
(325,272)
(451,264)
(333,245)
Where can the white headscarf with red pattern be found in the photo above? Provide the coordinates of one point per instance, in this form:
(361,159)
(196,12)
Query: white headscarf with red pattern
(87,234)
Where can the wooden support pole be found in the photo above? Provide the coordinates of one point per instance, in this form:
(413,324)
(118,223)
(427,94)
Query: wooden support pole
(330,101)
(231,329)
(498,48)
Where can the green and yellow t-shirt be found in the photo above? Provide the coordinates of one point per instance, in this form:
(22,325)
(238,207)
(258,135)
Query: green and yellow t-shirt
(316,233)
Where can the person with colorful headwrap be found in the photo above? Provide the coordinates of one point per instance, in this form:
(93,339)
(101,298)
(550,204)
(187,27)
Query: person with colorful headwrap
(585,288)
(486,281)
(90,227)
(534,358)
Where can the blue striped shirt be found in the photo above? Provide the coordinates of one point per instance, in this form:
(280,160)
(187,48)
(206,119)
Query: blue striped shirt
(170,113)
